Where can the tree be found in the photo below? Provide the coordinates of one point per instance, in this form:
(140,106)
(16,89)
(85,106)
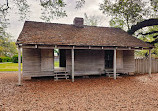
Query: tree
(92,20)
(7,46)
(127,12)
(23,9)
(79,4)
(149,37)
(50,8)
(130,15)
(117,23)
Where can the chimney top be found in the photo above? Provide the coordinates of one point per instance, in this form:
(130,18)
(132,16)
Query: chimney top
(78,22)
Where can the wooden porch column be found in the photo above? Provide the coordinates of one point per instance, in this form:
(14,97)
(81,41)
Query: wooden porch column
(150,63)
(53,62)
(19,64)
(72,65)
(114,67)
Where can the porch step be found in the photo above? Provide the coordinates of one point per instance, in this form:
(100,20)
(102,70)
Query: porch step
(110,74)
(66,77)
(61,72)
(61,75)
(58,74)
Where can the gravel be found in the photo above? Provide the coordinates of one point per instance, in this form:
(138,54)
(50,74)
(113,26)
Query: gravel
(129,93)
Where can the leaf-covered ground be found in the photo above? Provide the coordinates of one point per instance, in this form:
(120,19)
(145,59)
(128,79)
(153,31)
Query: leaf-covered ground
(129,93)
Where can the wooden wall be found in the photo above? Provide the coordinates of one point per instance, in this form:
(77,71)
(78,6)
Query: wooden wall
(125,61)
(92,61)
(119,61)
(128,61)
(36,64)
(87,62)
(39,62)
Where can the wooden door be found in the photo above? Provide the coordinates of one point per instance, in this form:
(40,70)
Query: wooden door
(109,55)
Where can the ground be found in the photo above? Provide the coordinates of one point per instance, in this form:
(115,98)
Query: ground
(129,93)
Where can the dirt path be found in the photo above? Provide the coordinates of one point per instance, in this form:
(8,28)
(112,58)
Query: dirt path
(135,93)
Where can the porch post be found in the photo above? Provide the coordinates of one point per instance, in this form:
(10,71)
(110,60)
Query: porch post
(19,64)
(150,63)
(53,62)
(72,65)
(114,68)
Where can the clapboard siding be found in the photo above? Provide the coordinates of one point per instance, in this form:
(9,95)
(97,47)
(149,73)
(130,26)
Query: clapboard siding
(32,63)
(47,60)
(92,61)
(86,61)
(119,61)
(128,61)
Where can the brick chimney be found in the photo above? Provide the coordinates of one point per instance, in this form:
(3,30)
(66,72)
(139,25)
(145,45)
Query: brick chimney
(78,22)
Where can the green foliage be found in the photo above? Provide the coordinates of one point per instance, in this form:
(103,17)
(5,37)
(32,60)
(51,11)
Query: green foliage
(79,4)
(7,47)
(52,9)
(154,7)
(23,9)
(5,59)
(117,23)
(56,51)
(128,11)
(148,38)
(15,59)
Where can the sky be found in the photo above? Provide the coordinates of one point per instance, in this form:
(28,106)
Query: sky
(91,8)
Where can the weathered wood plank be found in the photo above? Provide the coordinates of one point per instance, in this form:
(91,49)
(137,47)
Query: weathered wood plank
(128,61)
(19,64)
(32,63)
(114,64)
(73,69)
(86,61)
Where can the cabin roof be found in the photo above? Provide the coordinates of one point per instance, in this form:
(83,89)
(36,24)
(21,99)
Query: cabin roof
(69,34)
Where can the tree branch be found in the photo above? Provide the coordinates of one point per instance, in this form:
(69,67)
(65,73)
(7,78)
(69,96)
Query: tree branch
(153,32)
(153,42)
(145,23)
(6,7)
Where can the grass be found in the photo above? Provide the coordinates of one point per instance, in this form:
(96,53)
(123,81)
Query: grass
(8,66)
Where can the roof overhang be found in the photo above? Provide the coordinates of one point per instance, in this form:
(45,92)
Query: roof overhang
(44,46)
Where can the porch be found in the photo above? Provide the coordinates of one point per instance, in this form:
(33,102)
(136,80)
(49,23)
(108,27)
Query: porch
(39,60)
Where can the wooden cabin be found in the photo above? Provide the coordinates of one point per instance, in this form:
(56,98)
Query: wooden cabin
(84,50)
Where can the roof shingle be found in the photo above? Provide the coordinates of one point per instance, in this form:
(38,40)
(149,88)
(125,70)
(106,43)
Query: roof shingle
(64,34)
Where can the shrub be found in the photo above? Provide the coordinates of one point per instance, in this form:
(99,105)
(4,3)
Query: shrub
(5,59)
(15,59)
(0,59)
(9,59)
